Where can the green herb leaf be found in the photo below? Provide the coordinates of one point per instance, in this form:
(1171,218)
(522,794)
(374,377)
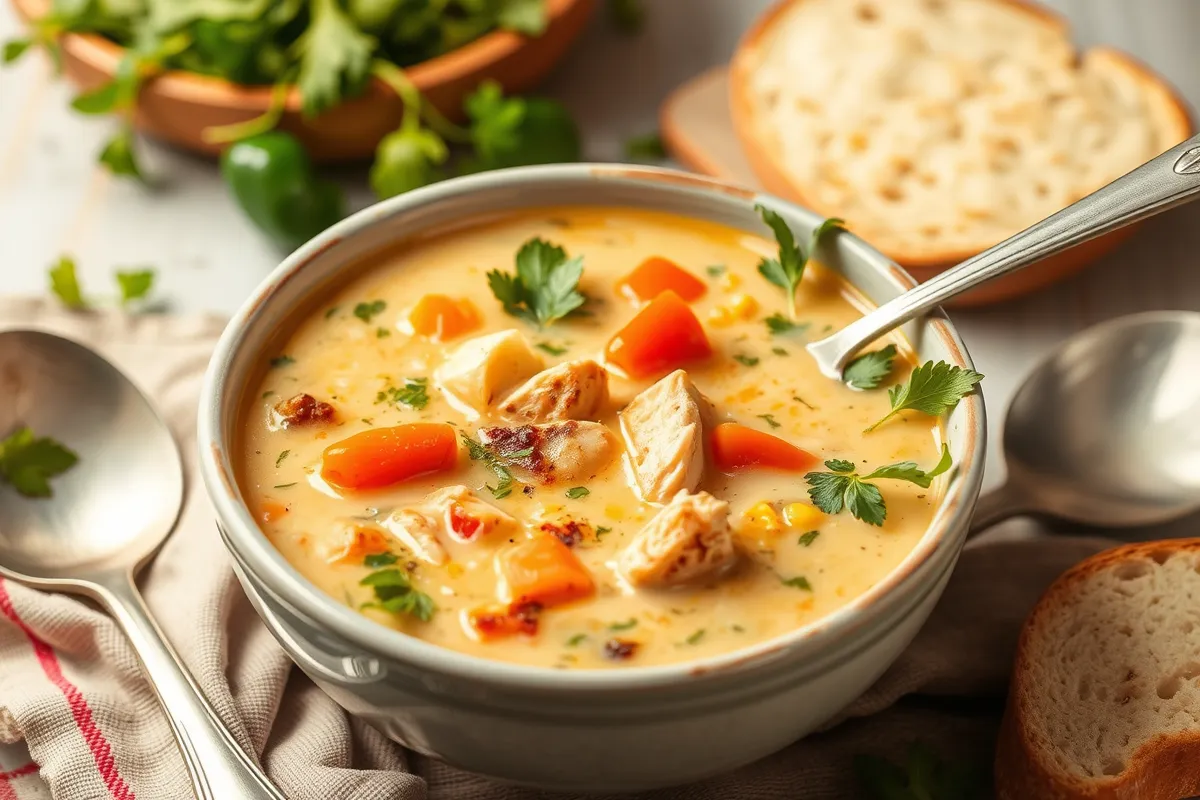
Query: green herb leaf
(134,284)
(695,637)
(367,311)
(779,325)
(284,454)
(749,361)
(769,419)
(382,333)
(414,393)
(786,270)
(647,147)
(335,58)
(64,283)
(779,351)
(544,288)
(798,582)
(601,530)
(285,485)
(623,626)
(576,492)
(806,539)
(523,16)
(118,155)
(28,462)
(924,776)
(517,131)
(282,361)
(715,270)
(932,389)
(576,639)
(379,560)
(553,350)
(842,487)
(394,592)
(868,370)
(101,100)
(407,159)
(329,313)
(479,452)
(627,16)
(15,48)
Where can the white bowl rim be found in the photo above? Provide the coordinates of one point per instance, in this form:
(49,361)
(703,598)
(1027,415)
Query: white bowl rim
(280,577)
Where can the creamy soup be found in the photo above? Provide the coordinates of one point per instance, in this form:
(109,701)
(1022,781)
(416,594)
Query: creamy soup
(624,485)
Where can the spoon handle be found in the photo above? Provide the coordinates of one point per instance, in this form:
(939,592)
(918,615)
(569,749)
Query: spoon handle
(220,769)
(1167,181)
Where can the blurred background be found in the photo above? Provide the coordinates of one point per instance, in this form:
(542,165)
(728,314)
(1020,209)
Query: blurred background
(207,255)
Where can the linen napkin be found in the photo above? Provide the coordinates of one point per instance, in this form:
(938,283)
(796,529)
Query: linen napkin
(71,690)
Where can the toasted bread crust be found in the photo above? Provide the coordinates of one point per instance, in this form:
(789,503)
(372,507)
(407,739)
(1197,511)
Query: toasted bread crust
(925,262)
(1164,768)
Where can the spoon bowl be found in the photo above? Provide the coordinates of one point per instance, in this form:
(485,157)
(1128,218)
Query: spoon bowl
(118,503)
(1103,432)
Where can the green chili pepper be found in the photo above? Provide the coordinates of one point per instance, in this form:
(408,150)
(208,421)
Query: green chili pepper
(273,180)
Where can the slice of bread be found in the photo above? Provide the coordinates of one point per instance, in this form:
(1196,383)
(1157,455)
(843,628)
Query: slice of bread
(938,128)
(1105,698)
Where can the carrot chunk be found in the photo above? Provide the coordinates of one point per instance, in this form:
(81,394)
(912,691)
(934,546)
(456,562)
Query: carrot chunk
(736,447)
(656,275)
(384,456)
(663,335)
(439,317)
(542,571)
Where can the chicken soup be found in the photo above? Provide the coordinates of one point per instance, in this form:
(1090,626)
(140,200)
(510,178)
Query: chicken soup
(586,438)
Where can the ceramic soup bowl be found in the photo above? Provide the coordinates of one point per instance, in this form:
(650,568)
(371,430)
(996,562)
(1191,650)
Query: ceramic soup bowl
(589,730)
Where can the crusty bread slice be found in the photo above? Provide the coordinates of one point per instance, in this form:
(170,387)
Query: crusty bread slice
(938,128)
(1105,698)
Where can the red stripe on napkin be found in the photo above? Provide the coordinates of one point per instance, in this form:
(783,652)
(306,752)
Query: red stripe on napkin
(7,790)
(97,744)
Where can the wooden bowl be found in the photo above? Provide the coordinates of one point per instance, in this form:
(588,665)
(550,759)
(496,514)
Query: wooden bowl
(178,106)
(772,174)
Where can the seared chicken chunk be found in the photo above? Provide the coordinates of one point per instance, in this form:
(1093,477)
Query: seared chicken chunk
(572,390)
(451,512)
(688,540)
(664,434)
(485,368)
(301,410)
(552,452)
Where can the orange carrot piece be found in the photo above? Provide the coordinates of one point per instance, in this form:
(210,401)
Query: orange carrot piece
(656,275)
(542,571)
(361,541)
(439,317)
(272,511)
(664,335)
(736,447)
(383,456)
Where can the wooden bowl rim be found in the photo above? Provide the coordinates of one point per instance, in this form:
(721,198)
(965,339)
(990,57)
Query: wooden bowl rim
(103,55)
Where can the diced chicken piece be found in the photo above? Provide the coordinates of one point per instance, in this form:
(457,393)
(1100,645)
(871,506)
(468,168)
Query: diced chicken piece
(552,452)
(484,369)
(356,542)
(303,409)
(664,434)
(572,390)
(451,512)
(688,540)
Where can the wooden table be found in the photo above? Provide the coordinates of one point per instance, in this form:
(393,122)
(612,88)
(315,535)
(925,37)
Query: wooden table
(54,200)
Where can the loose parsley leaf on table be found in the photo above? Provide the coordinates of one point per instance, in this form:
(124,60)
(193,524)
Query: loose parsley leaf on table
(394,592)
(134,284)
(64,283)
(544,288)
(787,269)
(932,389)
(842,487)
(868,370)
(28,462)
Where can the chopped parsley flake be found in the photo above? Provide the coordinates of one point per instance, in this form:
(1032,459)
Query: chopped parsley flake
(769,419)
(576,640)
(798,582)
(377,560)
(414,393)
(576,492)
(715,270)
(285,485)
(553,350)
(749,361)
(695,637)
(282,361)
(282,456)
(367,311)
(806,539)
(623,626)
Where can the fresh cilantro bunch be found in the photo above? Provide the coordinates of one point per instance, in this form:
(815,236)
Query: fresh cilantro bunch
(544,288)
(28,462)
(787,269)
(842,486)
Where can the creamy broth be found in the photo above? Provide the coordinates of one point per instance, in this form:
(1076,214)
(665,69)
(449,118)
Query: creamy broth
(355,349)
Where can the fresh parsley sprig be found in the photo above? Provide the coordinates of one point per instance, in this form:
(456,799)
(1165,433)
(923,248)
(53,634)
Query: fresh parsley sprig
(544,288)
(868,370)
(932,389)
(28,462)
(480,452)
(414,393)
(786,270)
(395,593)
(842,487)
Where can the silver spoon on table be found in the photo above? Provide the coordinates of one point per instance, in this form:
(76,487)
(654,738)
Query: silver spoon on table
(1169,180)
(1104,431)
(108,516)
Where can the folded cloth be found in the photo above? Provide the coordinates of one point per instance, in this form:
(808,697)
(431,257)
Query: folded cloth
(72,692)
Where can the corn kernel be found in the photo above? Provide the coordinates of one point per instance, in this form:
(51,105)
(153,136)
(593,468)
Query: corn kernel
(729,281)
(454,570)
(763,516)
(614,511)
(721,317)
(744,306)
(801,515)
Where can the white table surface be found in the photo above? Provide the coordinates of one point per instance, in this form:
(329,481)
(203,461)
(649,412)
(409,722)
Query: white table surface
(54,200)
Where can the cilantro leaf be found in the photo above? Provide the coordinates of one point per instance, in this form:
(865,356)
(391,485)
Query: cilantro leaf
(135,284)
(407,159)
(932,389)
(377,560)
(779,325)
(787,269)
(394,592)
(28,462)
(806,539)
(868,370)
(647,147)
(798,582)
(64,283)
(367,311)
(576,492)
(414,393)
(335,58)
(118,154)
(745,360)
(15,48)
(544,287)
(516,131)
(843,488)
